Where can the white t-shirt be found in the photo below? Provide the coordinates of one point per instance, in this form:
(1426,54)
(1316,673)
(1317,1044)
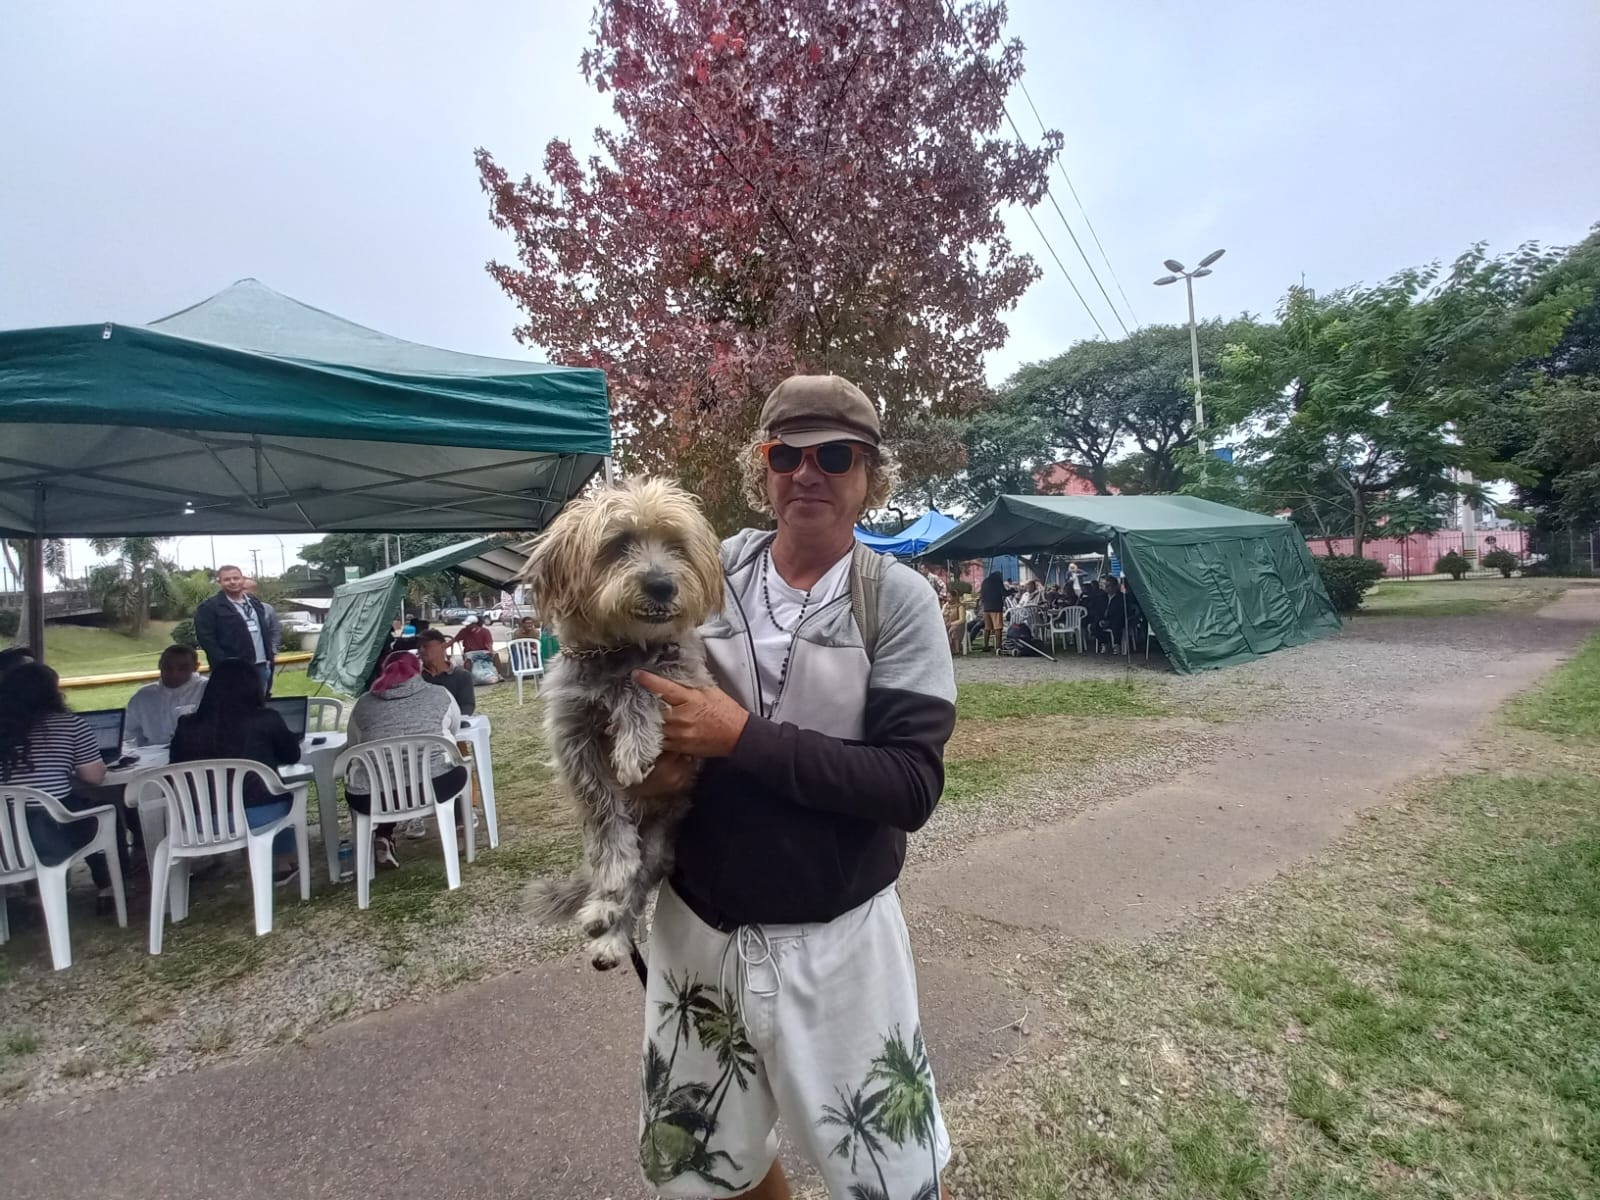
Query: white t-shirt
(774,639)
(154,710)
(248,611)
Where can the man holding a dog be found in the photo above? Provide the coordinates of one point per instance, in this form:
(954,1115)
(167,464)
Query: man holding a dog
(780,942)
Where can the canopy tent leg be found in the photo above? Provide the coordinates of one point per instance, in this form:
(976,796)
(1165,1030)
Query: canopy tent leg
(610,472)
(33,585)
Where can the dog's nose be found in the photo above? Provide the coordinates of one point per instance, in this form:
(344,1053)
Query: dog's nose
(660,588)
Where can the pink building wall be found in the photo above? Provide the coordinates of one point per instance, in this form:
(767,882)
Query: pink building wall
(1417,554)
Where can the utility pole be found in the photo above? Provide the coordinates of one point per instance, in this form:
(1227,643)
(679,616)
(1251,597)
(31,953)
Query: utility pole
(255,563)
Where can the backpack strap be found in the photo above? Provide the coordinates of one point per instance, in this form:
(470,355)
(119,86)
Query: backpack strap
(866,577)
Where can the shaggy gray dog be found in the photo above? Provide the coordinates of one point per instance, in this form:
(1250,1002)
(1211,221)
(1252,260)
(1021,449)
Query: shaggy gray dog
(625,576)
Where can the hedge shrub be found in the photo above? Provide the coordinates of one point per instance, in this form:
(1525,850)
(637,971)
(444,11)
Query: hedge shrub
(1500,560)
(1451,564)
(1347,578)
(183,634)
(10,621)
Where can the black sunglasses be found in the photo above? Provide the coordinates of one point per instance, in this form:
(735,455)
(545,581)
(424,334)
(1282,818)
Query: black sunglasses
(832,458)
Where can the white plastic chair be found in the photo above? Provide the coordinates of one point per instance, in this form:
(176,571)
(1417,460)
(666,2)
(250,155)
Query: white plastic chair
(527,662)
(205,816)
(1068,622)
(19,862)
(324,714)
(399,781)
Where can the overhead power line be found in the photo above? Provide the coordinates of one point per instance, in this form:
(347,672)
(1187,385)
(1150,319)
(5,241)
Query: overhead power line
(1083,211)
(1070,283)
(956,16)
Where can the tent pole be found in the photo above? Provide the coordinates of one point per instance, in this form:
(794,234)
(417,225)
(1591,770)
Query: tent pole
(610,472)
(34,584)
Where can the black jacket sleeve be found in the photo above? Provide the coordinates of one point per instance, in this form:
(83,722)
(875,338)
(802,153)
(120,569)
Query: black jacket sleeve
(894,777)
(205,631)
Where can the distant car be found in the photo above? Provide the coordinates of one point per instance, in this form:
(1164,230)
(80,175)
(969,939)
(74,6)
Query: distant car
(489,616)
(301,622)
(454,616)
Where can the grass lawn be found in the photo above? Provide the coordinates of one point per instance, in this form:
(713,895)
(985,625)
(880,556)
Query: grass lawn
(85,650)
(1417,1015)
(1453,598)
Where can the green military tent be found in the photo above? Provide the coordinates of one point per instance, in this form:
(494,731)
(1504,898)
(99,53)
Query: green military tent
(1219,585)
(364,609)
(251,412)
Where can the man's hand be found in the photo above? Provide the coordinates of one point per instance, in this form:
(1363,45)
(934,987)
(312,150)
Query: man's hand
(702,722)
(672,775)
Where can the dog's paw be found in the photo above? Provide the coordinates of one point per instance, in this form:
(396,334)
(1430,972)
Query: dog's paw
(631,774)
(607,951)
(598,915)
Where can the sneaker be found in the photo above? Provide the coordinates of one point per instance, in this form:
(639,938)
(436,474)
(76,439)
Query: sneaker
(414,830)
(285,876)
(383,851)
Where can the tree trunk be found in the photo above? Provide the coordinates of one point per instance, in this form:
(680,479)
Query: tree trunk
(1358,517)
(141,602)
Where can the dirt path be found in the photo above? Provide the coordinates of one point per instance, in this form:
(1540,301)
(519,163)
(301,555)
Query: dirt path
(524,1086)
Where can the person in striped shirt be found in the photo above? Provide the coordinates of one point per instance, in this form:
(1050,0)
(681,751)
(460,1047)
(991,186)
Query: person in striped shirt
(46,746)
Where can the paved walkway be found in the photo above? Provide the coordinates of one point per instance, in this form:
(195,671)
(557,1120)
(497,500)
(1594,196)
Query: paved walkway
(524,1086)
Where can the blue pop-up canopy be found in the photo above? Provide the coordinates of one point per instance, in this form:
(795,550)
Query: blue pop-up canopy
(913,539)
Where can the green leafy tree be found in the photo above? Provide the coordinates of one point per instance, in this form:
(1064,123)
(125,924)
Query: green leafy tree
(127,587)
(186,591)
(1360,393)
(1547,419)
(994,451)
(338,551)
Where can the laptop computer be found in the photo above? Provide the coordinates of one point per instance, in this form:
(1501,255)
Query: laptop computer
(293,710)
(107,726)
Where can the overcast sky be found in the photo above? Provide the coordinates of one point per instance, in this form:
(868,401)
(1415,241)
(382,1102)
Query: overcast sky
(152,153)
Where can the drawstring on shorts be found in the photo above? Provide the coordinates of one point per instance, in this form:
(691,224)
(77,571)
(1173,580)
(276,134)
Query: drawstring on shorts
(754,949)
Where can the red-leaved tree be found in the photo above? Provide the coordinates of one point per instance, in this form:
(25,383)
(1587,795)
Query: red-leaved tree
(795,185)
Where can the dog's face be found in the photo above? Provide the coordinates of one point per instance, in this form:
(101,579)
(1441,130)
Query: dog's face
(632,564)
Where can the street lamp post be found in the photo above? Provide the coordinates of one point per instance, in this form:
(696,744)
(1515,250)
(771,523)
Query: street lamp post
(1188,277)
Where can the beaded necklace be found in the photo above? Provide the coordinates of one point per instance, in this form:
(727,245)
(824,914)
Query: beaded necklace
(794,634)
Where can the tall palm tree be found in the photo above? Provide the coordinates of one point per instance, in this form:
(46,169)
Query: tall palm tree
(127,586)
(909,1108)
(857,1115)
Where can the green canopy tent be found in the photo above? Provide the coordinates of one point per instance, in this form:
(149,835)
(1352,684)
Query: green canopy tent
(1219,585)
(251,412)
(359,618)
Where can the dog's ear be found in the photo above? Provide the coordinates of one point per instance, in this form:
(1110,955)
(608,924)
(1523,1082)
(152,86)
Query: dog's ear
(543,571)
(702,552)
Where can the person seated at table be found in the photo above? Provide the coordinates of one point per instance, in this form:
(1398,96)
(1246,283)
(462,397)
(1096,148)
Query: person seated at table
(434,649)
(1030,595)
(233,721)
(402,704)
(1094,610)
(955,620)
(1114,621)
(44,745)
(528,627)
(477,638)
(153,710)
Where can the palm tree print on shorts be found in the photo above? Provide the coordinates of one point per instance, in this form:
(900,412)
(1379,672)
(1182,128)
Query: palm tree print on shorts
(681,1118)
(894,1104)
